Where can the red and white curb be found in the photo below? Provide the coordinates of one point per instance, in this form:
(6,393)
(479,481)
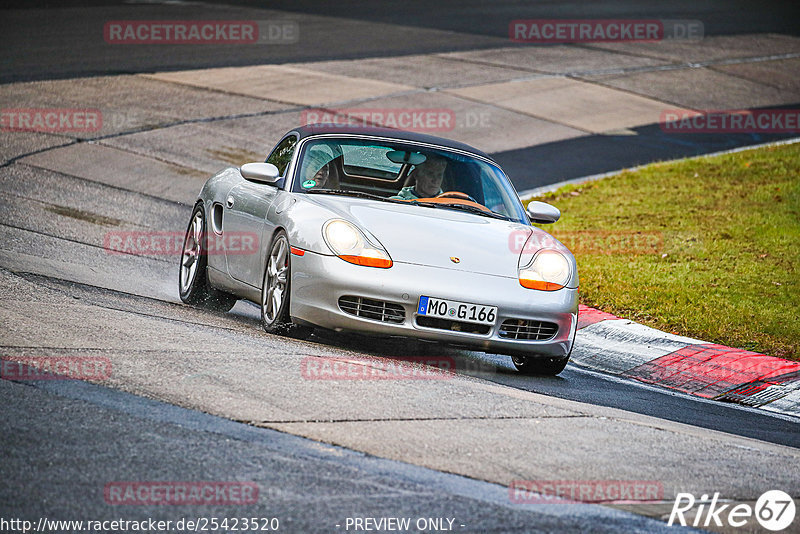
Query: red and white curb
(621,347)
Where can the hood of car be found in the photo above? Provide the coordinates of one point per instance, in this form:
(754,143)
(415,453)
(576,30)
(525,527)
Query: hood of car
(437,237)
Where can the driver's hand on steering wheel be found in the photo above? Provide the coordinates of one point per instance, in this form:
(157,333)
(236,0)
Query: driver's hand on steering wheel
(456,194)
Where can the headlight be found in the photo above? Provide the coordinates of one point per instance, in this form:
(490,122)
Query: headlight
(351,245)
(549,271)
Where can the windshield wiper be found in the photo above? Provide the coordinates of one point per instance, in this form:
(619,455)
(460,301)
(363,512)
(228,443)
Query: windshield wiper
(352,193)
(463,207)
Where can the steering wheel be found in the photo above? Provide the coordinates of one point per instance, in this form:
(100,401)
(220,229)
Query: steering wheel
(457,194)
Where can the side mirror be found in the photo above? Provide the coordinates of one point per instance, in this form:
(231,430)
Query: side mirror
(262,173)
(543,213)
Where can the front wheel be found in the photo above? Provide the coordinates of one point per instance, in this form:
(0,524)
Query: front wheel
(193,283)
(275,291)
(539,365)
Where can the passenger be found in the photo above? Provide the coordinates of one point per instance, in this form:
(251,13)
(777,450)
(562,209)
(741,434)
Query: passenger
(323,175)
(319,169)
(428,175)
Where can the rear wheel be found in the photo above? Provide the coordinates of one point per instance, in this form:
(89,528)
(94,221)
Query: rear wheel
(532,365)
(193,283)
(275,291)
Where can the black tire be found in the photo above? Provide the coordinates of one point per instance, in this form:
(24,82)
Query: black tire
(276,291)
(193,283)
(543,366)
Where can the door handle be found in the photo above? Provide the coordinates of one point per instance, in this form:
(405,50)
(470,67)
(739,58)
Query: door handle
(229,202)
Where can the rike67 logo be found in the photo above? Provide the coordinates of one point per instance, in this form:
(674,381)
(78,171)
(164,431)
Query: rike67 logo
(774,510)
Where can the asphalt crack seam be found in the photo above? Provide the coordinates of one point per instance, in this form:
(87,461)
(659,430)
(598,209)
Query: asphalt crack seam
(105,184)
(115,350)
(420,419)
(666,65)
(525,113)
(142,129)
(729,60)
(582,76)
(294,106)
(77,242)
(631,92)
(11,161)
(31,277)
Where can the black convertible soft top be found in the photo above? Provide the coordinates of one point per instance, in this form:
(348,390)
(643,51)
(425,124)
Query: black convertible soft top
(400,135)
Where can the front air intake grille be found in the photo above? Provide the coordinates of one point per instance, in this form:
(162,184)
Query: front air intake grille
(525,329)
(452,326)
(377,310)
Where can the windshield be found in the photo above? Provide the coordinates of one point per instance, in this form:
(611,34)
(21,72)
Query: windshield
(399,172)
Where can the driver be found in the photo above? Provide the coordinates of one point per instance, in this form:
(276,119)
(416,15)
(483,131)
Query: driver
(429,175)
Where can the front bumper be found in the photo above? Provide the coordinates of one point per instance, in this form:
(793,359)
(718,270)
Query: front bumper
(318,281)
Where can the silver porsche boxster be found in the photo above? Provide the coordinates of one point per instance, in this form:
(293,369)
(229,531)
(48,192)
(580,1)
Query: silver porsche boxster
(387,233)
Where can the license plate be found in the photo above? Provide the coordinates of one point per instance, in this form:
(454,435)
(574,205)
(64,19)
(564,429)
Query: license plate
(457,311)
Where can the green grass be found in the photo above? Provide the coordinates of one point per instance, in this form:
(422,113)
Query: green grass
(709,247)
